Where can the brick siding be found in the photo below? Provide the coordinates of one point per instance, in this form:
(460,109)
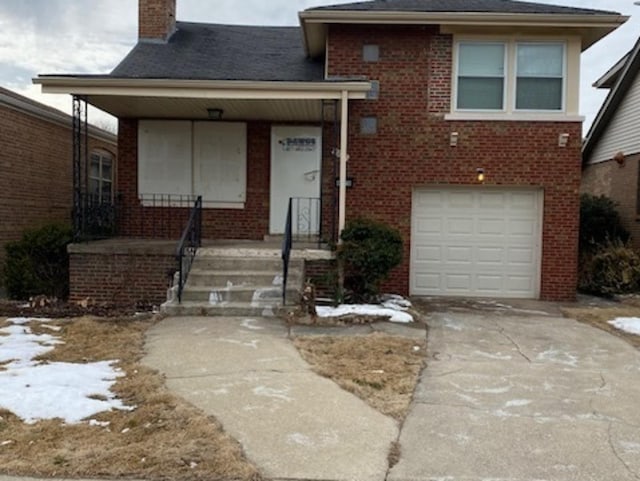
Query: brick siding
(118,274)
(35,172)
(619,182)
(411,147)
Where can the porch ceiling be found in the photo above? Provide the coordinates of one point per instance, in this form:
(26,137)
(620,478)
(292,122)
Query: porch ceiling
(190,99)
(299,110)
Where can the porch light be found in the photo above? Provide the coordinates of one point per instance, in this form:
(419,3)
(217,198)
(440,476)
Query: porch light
(480,173)
(215,114)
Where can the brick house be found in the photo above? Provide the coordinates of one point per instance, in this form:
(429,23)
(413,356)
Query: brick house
(36,165)
(611,152)
(456,122)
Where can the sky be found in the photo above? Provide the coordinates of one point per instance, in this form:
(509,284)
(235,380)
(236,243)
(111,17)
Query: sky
(92,36)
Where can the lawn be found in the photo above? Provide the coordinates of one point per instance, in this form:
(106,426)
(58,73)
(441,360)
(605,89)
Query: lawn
(119,419)
(600,317)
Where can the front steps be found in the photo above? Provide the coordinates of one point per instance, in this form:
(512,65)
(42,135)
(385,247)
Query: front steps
(236,282)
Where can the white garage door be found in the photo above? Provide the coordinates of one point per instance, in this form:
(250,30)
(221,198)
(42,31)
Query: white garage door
(477,242)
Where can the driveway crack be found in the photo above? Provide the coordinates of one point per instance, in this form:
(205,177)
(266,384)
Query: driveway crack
(502,332)
(617,455)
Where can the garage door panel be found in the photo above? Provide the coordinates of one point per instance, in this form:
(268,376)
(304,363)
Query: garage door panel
(490,256)
(459,255)
(475,242)
(459,200)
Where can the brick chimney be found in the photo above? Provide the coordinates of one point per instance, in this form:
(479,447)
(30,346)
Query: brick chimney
(156,19)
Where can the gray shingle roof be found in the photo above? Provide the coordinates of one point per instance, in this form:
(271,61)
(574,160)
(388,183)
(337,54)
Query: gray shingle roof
(477,6)
(200,51)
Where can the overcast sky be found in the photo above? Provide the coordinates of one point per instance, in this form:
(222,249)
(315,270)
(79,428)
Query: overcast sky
(92,36)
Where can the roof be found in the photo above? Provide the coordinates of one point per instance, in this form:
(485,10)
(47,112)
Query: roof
(461,6)
(198,51)
(615,98)
(15,101)
(609,79)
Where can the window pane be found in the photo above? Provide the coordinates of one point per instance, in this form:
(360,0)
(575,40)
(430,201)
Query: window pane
(480,93)
(481,60)
(542,60)
(106,192)
(94,170)
(94,186)
(539,94)
(106,170)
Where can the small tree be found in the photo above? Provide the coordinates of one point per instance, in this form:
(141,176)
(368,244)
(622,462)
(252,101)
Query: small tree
(38,263)
(369,251)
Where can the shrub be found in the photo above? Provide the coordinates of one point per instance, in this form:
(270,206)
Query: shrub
(369,251)
(38,264)
(599,223)
(613,269)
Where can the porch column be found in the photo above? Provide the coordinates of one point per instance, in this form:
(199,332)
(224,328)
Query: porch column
(344,133)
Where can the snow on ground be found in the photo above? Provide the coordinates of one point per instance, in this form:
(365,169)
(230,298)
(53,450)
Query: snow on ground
(627,324)
(35,390)
(392,306)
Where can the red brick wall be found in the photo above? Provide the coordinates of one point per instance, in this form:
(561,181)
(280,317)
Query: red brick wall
(35,172)
(619,182)
(120,278)
(411,148)
(252,222)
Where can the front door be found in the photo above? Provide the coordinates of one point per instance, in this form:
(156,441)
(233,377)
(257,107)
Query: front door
(295,172)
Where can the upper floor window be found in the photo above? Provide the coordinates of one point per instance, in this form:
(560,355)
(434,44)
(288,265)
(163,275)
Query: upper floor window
(101,176)
(481,76)
(510,76)
(540,76)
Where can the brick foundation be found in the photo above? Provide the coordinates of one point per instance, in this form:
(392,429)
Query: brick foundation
(121,272)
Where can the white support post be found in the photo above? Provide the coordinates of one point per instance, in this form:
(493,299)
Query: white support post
(344,133)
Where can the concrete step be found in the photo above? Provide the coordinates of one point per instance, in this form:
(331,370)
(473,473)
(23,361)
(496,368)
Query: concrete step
(246,294)
(228,309)
(223,279)
(243,263)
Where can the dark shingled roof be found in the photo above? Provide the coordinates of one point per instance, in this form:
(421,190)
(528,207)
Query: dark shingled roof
(199,51)
(462,6)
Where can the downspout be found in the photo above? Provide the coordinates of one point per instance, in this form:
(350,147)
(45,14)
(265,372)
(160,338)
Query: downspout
(344,132)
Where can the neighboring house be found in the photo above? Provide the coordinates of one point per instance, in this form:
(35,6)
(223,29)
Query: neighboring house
(456,122)
(611,152)
(36,163)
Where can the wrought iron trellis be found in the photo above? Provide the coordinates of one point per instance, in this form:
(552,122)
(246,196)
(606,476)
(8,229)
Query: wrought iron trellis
(80,164)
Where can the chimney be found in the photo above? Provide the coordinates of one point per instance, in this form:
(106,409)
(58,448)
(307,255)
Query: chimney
(156,19)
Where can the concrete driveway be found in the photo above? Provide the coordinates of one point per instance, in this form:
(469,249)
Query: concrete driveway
(513,397)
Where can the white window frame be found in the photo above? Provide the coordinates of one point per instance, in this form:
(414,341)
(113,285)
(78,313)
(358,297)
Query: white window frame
(505,76)
(510,113)
(563,106)
(102,156)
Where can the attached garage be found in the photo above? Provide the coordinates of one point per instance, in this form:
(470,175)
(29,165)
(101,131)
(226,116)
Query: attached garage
(476,242)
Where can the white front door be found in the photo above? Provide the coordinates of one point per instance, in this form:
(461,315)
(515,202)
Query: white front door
(295,172)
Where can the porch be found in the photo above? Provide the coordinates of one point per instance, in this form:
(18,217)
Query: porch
(230,277)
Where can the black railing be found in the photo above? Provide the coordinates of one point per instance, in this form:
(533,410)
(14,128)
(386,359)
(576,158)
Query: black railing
(95,217)
(286,251)
(188,246)
(306,213)
(157,216)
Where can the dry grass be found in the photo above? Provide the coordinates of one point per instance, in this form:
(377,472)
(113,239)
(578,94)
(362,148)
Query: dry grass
(163,438)
(598,317)
(380,369)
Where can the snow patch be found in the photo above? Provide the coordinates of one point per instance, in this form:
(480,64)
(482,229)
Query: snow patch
(250,324)
(34,390)
(627,324)
(517,403)
(375,310)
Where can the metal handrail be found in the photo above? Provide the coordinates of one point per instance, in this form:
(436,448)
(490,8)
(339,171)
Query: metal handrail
(286,251)
(188,246)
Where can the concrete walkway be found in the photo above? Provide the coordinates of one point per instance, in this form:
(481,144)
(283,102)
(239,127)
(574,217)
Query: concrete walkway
(292,424)
(524,398)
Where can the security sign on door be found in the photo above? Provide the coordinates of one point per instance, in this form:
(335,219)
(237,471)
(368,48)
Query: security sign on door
(295,173)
